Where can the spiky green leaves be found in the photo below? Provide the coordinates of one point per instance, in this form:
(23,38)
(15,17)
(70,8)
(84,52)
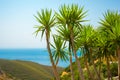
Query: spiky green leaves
(110,19)
(64,32)
(111,25)
(70,15)
(115,34)
(87,35)
(58,50)
(109,33)
(46,21)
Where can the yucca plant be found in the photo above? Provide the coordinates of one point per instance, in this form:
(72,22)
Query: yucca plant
(106,51)
(65,35)
(111,25)
(71,16)
(58,51)
(115,37)
(86,42)
(47,21)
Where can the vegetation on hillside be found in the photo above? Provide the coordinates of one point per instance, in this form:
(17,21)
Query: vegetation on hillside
(26,70)
(103,71)
(101,44)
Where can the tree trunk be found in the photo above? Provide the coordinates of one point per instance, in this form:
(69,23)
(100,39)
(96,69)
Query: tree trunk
(108,69)
(51,58)
(94,66)
(99,71)
(118,52)
(79,67)
(88,70)
(74,51)
(57,61)
(71,69)
(95,69)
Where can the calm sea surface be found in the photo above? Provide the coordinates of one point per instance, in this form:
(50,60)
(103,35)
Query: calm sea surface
(34,55)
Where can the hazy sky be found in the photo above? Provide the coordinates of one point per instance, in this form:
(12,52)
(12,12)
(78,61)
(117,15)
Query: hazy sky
(17,20)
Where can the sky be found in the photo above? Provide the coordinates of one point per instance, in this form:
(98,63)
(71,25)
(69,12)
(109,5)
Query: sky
(17,19)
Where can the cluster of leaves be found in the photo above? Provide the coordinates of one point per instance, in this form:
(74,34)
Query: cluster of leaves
(100,44)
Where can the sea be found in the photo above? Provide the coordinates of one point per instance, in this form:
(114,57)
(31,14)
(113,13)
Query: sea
(35,55)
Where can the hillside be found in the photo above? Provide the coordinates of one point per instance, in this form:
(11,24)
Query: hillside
(26,70)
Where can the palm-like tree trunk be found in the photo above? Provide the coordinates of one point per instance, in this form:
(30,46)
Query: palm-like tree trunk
(71,68)
(94,66)
(99,66)
(88,70)
(108,69)
(79,67)
(99,71)
(51,58)
(118,52)
(95,69)
(76,57)
(57,61)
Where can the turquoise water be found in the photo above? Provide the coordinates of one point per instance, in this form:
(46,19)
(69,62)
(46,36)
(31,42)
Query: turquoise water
(35,55)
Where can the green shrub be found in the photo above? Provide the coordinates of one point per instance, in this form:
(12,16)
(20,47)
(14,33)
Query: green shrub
(114,69)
